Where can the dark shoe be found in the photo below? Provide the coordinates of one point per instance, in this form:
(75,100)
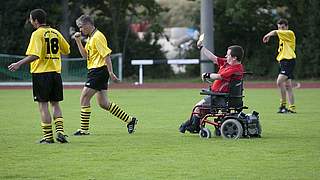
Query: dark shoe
(46,141)
(282,109)
(61,138)
(217,131)
(131,125)
(80,132)
(183,128)
(193,130)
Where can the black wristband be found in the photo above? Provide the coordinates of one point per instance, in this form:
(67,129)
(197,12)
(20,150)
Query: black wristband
(207,75)
(200,47)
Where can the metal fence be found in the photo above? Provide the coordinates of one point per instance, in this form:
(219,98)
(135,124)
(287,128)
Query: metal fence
(74,70)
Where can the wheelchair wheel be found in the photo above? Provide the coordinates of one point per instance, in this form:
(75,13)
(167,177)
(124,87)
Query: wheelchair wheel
(231,129)
(205,133)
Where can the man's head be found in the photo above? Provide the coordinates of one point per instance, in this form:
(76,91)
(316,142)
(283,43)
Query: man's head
(282,24)
(234,53)
(38,17)
(85,24)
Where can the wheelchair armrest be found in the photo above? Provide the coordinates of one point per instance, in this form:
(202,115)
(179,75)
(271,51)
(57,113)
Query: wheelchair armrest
(208,92)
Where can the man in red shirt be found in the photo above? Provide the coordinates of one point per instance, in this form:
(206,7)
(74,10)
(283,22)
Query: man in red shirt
(228,67)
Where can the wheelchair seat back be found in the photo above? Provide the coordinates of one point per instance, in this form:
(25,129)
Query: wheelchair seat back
(235,93)
(232,99)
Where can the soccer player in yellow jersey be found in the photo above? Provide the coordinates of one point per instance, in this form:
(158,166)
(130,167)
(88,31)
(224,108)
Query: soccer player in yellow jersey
(99,65)
(43,54)
(286,58)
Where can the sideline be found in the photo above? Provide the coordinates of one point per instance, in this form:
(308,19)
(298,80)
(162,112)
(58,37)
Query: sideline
(249,85)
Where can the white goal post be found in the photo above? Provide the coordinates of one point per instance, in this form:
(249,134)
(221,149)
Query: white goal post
(141,62)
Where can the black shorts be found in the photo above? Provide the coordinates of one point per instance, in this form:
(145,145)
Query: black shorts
(287,67)
(47,87)
(98,78)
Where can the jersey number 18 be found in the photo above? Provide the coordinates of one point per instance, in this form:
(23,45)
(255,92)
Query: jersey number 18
(52,45)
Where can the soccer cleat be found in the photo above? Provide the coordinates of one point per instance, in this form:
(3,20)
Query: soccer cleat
(131,125)
(80,132)
(282,109)
(291,111)
(46,141)
(61,138)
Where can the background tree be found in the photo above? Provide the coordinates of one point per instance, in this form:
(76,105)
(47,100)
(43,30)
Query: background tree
(242,22)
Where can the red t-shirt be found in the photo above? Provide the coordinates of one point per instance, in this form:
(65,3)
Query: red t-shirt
(226,71)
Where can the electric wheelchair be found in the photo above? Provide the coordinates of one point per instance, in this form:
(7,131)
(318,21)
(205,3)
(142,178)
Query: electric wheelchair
(226,114)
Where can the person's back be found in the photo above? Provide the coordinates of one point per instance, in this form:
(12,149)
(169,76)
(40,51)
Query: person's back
(48,44)
(44,55)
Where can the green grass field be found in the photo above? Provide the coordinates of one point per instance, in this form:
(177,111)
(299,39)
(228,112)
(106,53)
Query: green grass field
(289,147)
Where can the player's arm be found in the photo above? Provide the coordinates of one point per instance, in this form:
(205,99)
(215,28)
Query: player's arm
(15,66)
(209,54)
(213,76)
(110,69)
(267,36)
(82,50)
(206,52)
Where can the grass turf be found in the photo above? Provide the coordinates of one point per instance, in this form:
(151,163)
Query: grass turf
(289,149)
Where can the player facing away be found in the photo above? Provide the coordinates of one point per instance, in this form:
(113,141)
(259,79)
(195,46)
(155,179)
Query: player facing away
(99,65)
(286,59)
(44,55)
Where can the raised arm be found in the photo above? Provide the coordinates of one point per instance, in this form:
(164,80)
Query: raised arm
(82,50)
(206,52)
(209,54)
(267,36)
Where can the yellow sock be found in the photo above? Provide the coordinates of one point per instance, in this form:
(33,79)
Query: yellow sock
(47,131)
(119,113)
(283,103)
(85,117)
(292,107)
(59,124)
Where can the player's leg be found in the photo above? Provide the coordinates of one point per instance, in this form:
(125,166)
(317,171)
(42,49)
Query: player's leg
(58,121)
(289,72)
(45,123)
(56,96)
(85,98)
(41,85)
(281,83)
(115,110)
(292,107)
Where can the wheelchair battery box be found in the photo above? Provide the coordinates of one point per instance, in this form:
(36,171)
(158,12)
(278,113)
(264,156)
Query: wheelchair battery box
(251,124)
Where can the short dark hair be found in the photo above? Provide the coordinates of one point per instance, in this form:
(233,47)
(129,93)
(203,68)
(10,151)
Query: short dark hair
(84,19)
(283,21)
(236,51)
(40,15)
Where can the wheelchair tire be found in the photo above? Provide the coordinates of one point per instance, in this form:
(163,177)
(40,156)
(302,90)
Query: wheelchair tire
(205,133)
(231,129)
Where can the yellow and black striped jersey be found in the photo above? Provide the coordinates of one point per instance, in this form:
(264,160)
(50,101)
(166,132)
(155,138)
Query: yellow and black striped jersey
(287,45)
(97,49)
(47,43)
